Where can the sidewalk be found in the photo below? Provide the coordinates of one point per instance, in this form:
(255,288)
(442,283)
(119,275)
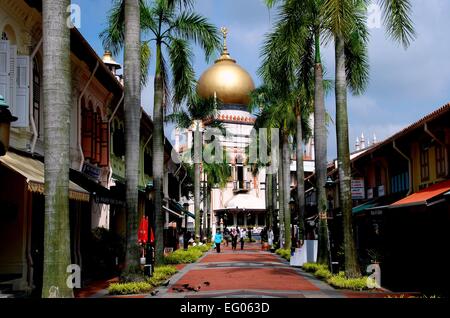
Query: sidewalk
(247,273)
(241,274)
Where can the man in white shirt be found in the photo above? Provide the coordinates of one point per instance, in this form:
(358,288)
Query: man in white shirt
(242,235)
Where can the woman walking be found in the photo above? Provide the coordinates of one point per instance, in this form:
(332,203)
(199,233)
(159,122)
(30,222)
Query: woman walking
(234,238)
(218,240)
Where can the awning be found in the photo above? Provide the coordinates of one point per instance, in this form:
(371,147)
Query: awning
(33,171)
(173,212)
(423,197)
(178,208)
(360,208)
(113,196)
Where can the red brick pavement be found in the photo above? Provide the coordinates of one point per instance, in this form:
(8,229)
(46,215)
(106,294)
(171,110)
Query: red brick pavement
(231,258)
(245,278)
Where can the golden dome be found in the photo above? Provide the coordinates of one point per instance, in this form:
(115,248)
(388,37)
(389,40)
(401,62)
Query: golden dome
(229,81)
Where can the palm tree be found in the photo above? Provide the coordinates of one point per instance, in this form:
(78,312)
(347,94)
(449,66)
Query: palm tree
(57,94)
(198,110)
(345,19)
(172,25)
(132,105)
(298,30)
(218,173)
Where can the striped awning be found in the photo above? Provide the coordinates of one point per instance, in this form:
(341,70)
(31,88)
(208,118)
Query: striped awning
(33,171)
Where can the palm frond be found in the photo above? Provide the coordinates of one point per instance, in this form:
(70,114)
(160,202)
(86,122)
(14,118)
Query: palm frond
(397,18)
(181,118)
(145,61)
(183,75)
(193,27)
(113,36)
(356,54)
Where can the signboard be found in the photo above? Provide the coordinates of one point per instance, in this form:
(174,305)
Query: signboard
(381,190)
(358,190)
(91,171)
(370,193)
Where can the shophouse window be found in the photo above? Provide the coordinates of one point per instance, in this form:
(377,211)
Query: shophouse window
(148,169)
(118,140)
(95,139)
(424,163)
(440,161)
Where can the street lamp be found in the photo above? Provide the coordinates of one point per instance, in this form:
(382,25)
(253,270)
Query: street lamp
(329,184)
(5,125)
(292,209)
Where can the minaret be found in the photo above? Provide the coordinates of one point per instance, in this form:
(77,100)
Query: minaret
(374,139)
(363,142)
(112,65)
(357,144)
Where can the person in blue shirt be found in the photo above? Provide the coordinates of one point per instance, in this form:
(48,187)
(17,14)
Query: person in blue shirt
(218,240)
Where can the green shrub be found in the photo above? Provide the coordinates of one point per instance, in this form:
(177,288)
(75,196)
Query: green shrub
(284,253)
(323,273)
(141,284)
(340,281)
(203,248)
(184,257)
(161,274)
(313,267)
(129,288)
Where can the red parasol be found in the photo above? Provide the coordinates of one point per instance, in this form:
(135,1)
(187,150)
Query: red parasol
(143,231)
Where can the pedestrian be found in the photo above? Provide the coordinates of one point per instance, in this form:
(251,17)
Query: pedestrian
(187,237)
(242,236)
(226,235)
(218,240)
(270,237)
(234,238)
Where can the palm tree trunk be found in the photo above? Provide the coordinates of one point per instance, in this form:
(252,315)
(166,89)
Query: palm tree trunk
(281,194)
(57,101)
(345,196)
(158,157)
(269,206)
(132,104)
(320,154)
(208,215)
(274,199)
(197,159)
(300,178)
(286,157)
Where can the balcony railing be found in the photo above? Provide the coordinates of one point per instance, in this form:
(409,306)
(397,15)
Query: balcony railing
(239,186)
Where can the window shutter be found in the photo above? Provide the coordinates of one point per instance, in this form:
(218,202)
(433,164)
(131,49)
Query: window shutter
(98,139)
(104,154)
(87,133)
(4,69)
(12,81)
(22,92)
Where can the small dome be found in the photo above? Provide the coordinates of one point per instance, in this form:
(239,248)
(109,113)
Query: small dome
(226,80)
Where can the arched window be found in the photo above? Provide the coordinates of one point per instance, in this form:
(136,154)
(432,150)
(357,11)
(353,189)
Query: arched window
(98,136)
(37,115)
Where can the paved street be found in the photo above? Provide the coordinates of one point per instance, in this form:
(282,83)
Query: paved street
(248,273)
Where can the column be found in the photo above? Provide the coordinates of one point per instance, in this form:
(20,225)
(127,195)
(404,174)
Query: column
(256,220)
(235,219)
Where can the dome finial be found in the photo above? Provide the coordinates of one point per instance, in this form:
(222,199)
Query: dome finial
(224,31)
(225,55)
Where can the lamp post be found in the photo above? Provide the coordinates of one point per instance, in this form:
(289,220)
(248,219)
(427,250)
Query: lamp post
(5,125)
(329,184)
(149,267)
(292,209)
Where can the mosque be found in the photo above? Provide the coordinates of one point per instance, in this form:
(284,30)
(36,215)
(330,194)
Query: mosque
(242,202)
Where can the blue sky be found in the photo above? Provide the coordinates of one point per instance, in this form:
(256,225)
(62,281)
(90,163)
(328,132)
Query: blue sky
(404,84)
